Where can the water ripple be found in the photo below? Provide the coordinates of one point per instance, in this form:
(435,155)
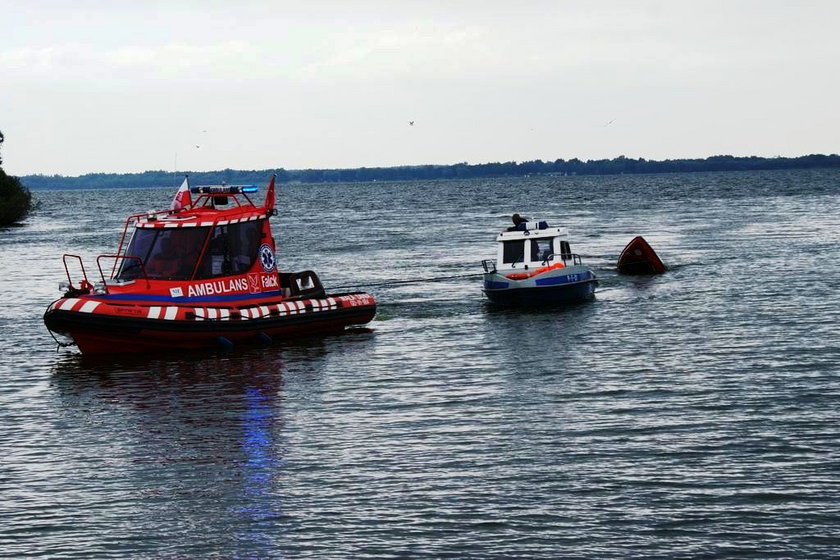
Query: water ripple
(687,415)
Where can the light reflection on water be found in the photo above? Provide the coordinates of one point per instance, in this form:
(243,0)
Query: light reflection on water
(687,415)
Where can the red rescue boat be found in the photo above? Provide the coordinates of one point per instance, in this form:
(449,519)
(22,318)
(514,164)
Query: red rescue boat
(638,257)
(199,275)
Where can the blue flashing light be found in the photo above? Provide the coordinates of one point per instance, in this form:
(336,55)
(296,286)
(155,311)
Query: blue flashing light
(250,189)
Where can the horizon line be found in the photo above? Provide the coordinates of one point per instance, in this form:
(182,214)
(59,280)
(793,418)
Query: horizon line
(408,166)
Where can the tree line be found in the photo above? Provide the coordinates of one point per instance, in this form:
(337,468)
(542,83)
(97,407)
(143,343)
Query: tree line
(574,166)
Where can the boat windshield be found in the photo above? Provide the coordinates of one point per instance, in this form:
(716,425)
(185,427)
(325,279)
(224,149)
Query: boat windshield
(168,254)
(175,253)
(232,249)
(541,249)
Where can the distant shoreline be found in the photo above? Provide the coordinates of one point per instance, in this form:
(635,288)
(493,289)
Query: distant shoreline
(617,166)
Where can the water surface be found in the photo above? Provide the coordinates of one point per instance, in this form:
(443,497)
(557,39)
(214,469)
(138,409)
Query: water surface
(693,414)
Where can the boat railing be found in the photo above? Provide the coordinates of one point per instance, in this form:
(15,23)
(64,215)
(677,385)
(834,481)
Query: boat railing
(129,222)
(566,258)
(85,283)
(121,275)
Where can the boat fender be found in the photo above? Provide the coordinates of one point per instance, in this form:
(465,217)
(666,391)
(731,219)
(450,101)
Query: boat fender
(224,343)
(263,338)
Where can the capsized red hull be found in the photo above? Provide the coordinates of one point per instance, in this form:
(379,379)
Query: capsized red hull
(638,257)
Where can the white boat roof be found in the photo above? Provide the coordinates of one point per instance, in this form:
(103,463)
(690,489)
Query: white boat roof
(532,234)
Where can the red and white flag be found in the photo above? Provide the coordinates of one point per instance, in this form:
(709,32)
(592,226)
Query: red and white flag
(182,196)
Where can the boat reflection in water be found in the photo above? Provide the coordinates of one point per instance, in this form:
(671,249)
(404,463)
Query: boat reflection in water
(198,442)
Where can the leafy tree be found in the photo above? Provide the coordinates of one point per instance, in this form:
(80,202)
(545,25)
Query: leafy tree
(15,199)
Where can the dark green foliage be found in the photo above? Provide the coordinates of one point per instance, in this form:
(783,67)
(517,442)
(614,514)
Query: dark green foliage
(15,199)
(616,166)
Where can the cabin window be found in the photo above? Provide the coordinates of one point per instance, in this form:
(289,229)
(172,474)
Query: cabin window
(513,251)
(565,250)
(232,249)
(541,249)
(167,253)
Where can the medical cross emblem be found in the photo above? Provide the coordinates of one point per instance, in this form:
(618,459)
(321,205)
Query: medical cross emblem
(267,258)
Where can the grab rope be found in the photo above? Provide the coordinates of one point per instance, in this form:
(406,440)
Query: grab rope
(59,344)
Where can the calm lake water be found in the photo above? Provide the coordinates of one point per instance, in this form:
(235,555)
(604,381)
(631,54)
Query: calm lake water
(690,415)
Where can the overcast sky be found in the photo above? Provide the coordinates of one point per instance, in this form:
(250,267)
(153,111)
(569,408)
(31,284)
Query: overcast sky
(176,85)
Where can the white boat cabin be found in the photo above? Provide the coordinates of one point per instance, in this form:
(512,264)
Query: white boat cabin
(535,248)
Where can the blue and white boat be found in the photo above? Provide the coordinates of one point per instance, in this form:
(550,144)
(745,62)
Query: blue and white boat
(536,266)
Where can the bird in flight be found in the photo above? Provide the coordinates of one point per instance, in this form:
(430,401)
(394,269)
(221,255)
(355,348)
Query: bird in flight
(410,123)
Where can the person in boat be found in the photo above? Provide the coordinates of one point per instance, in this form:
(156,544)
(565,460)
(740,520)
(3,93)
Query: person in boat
(185,257)
(175,260)
(164,263)
(246,252)
(518,223)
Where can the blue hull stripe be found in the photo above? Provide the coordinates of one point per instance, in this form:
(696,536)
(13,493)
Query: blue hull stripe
(562,280)
(130,298)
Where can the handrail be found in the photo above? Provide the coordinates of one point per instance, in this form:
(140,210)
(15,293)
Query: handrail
(552,257)
(128,221)
(67,269)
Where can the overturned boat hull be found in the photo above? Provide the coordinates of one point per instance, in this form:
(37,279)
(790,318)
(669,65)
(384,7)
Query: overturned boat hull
(639,258)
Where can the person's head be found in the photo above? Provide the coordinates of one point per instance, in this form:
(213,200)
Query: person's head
(517,219)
